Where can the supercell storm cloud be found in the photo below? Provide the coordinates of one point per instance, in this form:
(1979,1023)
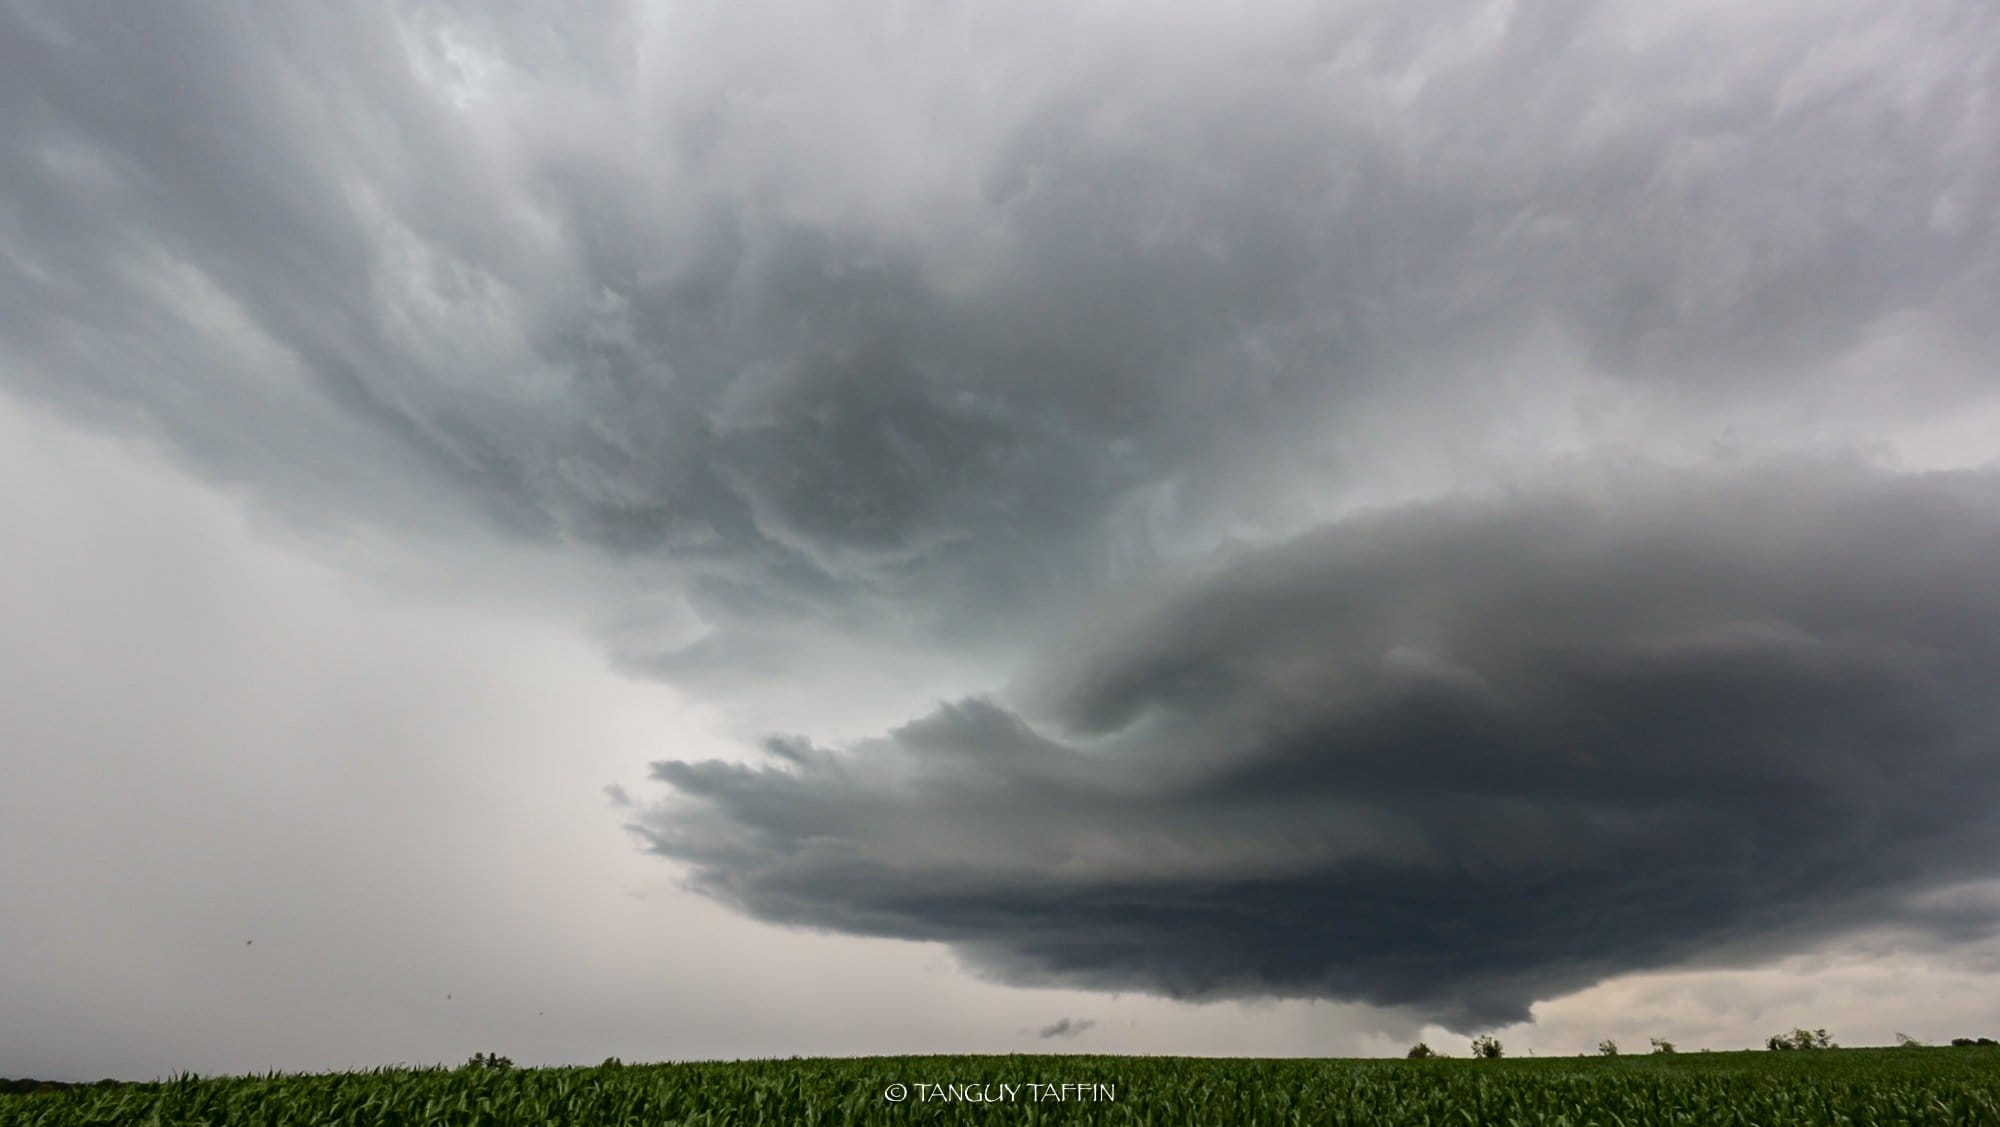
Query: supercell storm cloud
(1433,504)
(1458,757)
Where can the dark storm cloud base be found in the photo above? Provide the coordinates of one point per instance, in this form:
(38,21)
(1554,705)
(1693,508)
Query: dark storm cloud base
(1458,758)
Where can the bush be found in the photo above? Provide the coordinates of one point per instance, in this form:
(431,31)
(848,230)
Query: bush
(1607,1048)
(1905,1041)
(1487,1047)
(1799,1039)
(1969,1042)
(1662,1045)
(1420,1051)
(489,1060)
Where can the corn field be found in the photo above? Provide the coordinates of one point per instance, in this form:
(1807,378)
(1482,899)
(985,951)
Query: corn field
(1861,1087)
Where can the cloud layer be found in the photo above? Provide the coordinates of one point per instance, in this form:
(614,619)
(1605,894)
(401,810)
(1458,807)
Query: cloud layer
(854,356)
(873,328)
(1458,757)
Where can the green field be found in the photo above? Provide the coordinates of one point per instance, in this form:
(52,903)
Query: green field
(1842,1086)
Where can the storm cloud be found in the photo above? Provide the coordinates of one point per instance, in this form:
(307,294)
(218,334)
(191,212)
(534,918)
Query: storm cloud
(848,332)
(1432,503)
(1457,757)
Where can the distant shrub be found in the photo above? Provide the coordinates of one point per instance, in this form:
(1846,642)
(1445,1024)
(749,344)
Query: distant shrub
(489,1060)
(1662,1045)
(1607,1048)
(26,1086)
(1798,1040)
(1487,1047)
(1905,1041)
(612,1062)
(1420,1051)
(1969,1042)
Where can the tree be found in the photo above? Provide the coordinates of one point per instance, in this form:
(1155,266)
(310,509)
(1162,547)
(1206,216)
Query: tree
(1905,1041)
(489,1060)
(1662,1045)
(1487,1047)
(1607,1048)
(1799,1040)
(1420,1051)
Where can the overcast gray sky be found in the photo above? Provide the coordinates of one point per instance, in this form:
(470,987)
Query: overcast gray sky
(714,529)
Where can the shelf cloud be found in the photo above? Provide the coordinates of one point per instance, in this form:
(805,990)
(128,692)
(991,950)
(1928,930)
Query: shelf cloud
(1458,757)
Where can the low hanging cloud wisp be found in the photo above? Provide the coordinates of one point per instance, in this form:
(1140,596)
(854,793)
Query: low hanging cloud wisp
(1459,757)
(1065,1027)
